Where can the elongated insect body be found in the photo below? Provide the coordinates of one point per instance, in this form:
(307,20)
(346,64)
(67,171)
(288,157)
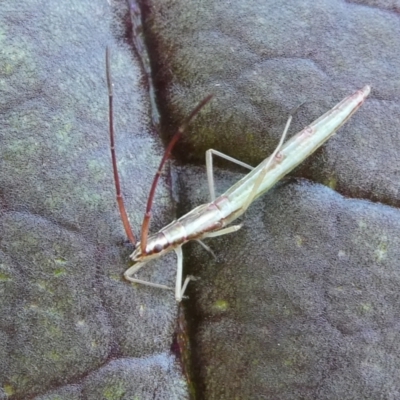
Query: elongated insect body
(207,219)
(212,219)
(293,152)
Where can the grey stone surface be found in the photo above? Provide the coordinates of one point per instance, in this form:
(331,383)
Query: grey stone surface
(128,378)
(301,303)
(65,310)
(261,59)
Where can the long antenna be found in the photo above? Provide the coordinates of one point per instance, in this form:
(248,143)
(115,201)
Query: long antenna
(120,200)
(175,138)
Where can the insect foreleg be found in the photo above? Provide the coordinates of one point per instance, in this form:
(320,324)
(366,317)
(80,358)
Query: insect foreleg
(179,273)
(210,172)
(179,289)
(132,270)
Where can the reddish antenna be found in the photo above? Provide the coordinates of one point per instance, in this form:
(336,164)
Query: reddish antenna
(120,200)
(171,144)
(175,138)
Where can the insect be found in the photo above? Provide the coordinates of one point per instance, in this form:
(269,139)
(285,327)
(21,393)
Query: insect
(212,219)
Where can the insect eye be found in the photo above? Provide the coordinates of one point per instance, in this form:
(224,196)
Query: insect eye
(157,248)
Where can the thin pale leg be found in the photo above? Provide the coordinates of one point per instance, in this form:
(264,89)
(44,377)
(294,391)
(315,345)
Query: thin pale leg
(205,247)
(264,171)
(179,289)
(223,231)
(187,280)
(210,172)
(179,273)
(135,268)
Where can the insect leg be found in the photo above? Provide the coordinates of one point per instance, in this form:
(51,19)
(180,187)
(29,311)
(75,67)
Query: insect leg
(132,270)
(270,159)
(223,231)
(179,289)
(209,165)
(205,247)
(179,292)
